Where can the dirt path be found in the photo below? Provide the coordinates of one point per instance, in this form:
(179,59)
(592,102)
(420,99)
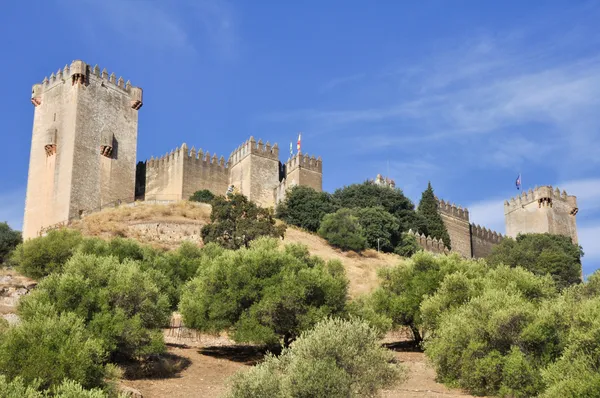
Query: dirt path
(213,360)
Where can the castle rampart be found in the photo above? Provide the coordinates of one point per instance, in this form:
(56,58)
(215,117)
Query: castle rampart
(83,148)
(430,244)
(540,210)
(456,220)
(303,169)
(483,241)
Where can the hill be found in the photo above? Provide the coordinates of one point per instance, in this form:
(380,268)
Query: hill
(167,225)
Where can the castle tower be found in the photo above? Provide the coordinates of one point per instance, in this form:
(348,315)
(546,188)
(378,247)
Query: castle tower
(83,148)
(254,171)
(542,210)
(303,169)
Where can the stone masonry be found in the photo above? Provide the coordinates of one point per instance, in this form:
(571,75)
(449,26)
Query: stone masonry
(83,147)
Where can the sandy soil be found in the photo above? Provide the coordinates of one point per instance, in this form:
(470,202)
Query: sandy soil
(212,360)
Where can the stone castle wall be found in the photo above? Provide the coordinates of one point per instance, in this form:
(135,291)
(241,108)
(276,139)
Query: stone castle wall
(543,209)
(83,145)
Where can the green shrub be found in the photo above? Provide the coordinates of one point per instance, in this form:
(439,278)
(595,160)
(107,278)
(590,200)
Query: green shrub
(338,358)
(264,294)
(342,229)
(236,221)
(49,349)
(67,389)
(17,388)
(41,256)
(203,196)
(120,304)
(9,239)
(541,254)
(380,228)
(305,208)
(407,246)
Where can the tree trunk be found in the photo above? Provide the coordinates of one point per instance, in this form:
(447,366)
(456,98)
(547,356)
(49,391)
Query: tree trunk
(418,339)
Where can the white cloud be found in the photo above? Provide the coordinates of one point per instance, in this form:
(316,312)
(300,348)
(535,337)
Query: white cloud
(489,214)
(12,208)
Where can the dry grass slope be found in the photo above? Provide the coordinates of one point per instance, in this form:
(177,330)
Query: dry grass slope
(124,221)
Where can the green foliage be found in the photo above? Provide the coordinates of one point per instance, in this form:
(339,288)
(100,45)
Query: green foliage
(404,287)
(380,228)
(48,349)
(203,196)
(407,246)
(264,294)
(494,331)
(236,221)
(305,208)
(9,239)
(392,200)
(17,388)
(541,254)
(428,209)
(39,257)
(119,303)
(343,230)
(338,358)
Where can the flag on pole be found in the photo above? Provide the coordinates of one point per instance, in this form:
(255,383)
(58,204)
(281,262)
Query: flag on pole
(299,138)
(518,182)
(291,149)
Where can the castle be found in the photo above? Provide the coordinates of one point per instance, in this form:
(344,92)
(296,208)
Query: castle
(84,151)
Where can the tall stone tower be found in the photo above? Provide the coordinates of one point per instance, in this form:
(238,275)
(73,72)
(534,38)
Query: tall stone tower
(303,169)
(83,147)
(542,210)
(254,171)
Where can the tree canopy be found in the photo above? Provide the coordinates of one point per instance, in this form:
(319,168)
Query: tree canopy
(305,208)
(203,196)
(541,254)
(343,230)
(236,221)
(428,209)
(9,239)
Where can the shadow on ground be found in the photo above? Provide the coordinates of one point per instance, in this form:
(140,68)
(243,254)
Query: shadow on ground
(248,355)
(403,346)
(161,366)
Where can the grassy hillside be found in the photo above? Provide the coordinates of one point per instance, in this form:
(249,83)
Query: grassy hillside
(125,220)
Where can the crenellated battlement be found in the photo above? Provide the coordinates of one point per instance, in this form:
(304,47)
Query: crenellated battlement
(545,196)
(486,234)
(193,156)
(251,146)
(453,210)
(305,161)
(78,72)
(430,244)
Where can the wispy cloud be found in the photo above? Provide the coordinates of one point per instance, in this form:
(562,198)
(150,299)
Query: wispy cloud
(339,81)
(13,205)
(159,26)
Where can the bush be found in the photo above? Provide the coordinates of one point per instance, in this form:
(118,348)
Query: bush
(337,358)
(203,196)
(264,294)
(407,246)
(119,303)
(541,254)
(49,349)
(41,256)
(342,229)
(236,221)
(9,239)
(493,333)
(67,389)
(380,228)
(305,208)
(404,287)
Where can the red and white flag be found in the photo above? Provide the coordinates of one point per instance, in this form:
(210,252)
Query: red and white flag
(299,138)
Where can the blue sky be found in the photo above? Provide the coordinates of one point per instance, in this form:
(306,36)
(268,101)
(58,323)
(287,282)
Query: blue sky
(466,94)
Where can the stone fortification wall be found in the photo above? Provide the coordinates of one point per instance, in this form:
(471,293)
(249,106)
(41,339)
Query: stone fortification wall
(255,170)
(430,244)
(84,142)
(178,175)
(541,210)
(456,220)
(483,240)
(303,169)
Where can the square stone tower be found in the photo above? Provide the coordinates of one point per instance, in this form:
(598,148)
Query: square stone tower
(83,147)
(303,169)
(254,171)
(542,210)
